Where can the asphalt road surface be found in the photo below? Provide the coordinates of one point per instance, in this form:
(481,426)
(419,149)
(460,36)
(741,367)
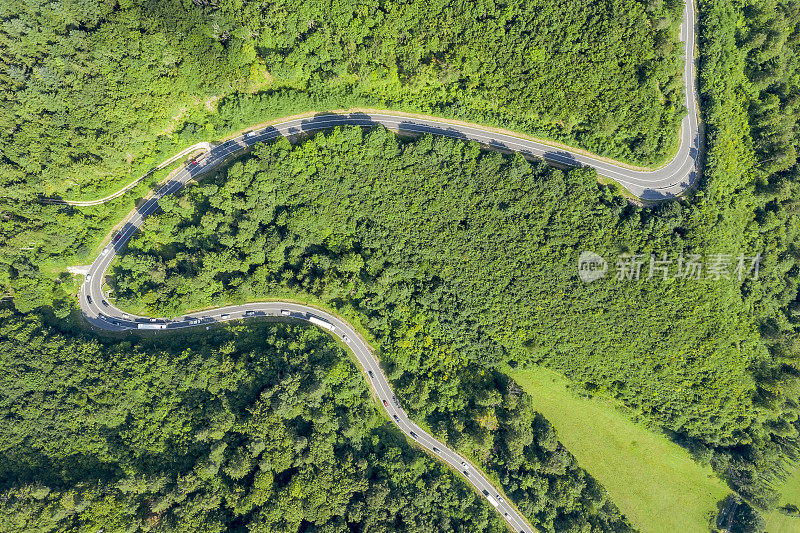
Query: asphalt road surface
(666,182)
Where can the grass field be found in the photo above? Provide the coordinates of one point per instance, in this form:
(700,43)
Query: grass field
(652,480)
(778,522)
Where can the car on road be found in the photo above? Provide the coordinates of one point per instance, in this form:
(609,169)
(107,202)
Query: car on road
(125,316)
(285,312)
(104,251)
(346,339)
(224,316)
(385,403)
(499,498)
(249,313)
(371,374)
(105,303)
(414,435)
(466,473)
(193,322)
(88,278)
(436,450)
(88,298)
(464,464)
(193,163)
(489,498)
(396,418)
(117,237)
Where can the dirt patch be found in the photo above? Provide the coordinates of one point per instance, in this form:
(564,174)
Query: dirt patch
(173,122)
(211,101)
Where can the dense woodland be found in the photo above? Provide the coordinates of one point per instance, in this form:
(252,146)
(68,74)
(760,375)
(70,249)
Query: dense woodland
(453,260)
(87,87)
(260,427)
(457,261)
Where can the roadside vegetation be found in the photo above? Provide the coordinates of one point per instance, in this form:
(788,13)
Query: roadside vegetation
(258,425)
(96,90)
(455,261)
(459,261)
(268,427)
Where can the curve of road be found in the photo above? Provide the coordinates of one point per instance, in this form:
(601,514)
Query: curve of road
(666,182)
(663,183)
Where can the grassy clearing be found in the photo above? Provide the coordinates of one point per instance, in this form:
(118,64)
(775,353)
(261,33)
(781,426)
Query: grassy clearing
(652,480)
(778,522)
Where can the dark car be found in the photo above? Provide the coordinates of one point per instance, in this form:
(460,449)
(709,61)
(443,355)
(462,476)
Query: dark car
(371,374)
(104,302)
(88,298)
(396,419)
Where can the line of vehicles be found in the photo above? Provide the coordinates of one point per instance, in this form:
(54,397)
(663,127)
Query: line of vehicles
(155,323)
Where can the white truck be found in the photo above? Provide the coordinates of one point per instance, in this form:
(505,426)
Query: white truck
(490,498)
(321,323)
(145,325)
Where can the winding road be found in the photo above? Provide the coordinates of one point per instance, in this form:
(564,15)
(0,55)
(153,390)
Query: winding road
(665,182)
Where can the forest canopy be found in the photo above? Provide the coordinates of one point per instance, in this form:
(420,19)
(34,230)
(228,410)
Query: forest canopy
(95,90)
(259,426)
(458,260)
(455,260)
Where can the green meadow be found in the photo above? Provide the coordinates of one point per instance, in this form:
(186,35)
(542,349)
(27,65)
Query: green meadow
(652,480)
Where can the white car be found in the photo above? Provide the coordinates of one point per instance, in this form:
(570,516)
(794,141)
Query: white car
(346,339)
(285,312)
(88,278)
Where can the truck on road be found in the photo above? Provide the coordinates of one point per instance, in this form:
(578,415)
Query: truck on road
(145,325)
(490,498)
(321,323)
